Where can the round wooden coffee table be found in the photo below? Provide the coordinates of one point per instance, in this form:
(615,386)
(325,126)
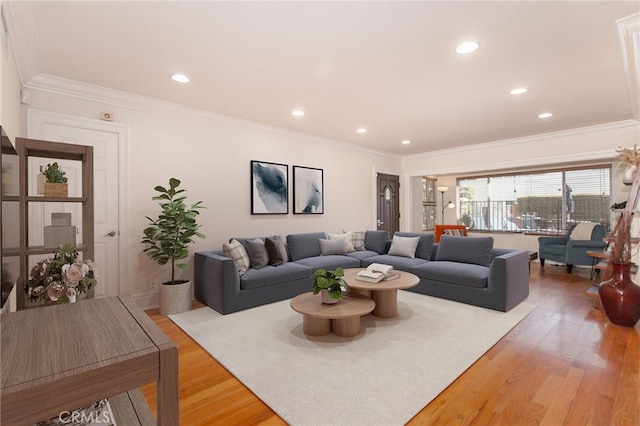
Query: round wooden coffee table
(384,293)
(342,318)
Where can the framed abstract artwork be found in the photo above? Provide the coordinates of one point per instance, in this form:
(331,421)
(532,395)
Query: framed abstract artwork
(308,190)
(269,188)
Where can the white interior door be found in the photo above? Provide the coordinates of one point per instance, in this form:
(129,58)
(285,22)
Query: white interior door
(106,195)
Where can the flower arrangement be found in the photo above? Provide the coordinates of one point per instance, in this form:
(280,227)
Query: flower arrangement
(621,238)
(628,157)
(60,279)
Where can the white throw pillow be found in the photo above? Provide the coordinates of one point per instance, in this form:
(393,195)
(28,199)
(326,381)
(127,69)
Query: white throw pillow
(404,246)
(236,251)
(348,240)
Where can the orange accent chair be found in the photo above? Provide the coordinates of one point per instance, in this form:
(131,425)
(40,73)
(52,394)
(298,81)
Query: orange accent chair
(454,230)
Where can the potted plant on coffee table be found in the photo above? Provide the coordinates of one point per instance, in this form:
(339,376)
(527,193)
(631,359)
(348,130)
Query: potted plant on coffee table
(329,284)
(167,240)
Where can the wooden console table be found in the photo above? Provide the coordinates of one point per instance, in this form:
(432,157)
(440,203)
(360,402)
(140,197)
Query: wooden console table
(59,358)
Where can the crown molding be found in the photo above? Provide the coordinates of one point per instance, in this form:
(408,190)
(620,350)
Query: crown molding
(85,91)
(21,31)
(559,137)
(629,34)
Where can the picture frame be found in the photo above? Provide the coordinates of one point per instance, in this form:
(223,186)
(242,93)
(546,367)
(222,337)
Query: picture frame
(269,188)
(308,190)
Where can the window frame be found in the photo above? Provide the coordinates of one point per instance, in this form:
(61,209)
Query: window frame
(563,170)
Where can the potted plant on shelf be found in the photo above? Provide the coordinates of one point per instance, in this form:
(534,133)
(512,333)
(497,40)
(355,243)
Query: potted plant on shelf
(329,284)
(55,184)
(62,278)
(167,240)
(628,158)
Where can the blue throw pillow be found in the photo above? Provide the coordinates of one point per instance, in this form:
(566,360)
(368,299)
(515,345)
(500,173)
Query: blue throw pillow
(466,250)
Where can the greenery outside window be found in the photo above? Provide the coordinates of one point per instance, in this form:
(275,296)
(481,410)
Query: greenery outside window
(429,203)
(546,202)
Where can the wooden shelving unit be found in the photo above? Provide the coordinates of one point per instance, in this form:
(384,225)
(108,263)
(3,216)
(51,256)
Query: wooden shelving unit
(27,148)
(8,245)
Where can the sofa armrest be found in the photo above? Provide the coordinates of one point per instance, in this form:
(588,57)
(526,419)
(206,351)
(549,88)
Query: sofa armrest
(216,280)
(509,279)
(589,244)
(544,241)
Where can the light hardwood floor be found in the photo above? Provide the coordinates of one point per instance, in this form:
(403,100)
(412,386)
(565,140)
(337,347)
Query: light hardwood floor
(565,364)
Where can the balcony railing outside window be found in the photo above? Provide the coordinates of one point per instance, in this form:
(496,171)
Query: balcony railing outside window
(548,202)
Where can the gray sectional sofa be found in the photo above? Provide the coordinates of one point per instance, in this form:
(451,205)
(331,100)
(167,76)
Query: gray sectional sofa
(464,269)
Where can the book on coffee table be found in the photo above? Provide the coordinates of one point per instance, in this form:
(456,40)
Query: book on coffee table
(377,272)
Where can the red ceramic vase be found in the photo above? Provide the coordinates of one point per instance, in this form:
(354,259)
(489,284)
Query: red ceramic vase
(620,297)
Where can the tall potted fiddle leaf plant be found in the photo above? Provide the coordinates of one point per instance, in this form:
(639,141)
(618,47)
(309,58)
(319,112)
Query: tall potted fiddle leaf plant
(167,240)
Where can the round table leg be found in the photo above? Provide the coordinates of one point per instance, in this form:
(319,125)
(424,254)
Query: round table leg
(346,327)
(316,326)
(386,303)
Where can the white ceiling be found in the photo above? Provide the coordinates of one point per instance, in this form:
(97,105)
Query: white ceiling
(386,66)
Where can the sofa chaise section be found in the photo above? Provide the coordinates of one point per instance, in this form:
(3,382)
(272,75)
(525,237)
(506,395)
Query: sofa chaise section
(500,284)
(217,283)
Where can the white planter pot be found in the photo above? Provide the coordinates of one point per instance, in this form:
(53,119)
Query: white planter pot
(629,174)
(326,297)
(175,298)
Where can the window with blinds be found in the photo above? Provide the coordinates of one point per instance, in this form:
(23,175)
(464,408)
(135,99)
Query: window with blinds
(543,202)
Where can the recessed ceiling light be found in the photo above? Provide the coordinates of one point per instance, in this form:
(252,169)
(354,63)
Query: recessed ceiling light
(406,142)
(545,115)
(519,91)
(180,78)
(467,47)
(361,130)
(297,113)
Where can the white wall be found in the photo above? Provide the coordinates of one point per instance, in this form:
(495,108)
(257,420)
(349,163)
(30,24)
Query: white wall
(9,90)
(211,155)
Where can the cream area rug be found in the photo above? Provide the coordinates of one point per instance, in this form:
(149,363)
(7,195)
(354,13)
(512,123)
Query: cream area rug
(384,376)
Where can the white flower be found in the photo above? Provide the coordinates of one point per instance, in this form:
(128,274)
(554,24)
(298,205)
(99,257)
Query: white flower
(71,291)
(55,292)
(72,274)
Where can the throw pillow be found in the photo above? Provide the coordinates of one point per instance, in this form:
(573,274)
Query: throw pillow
(357,240)
(236,251)
(404,246)
(348,240)
(475,250)
(276,250)
(329,247)
(257,253)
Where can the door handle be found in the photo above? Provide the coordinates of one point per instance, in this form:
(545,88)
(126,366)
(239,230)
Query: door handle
(110,234)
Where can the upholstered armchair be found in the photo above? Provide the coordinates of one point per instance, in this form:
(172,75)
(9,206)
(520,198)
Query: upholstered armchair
(455,230)
(572,248)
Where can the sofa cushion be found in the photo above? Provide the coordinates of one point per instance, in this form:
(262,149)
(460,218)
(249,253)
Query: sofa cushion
(465,250)
(404,246)
(347,237)
(272,275)
(236,251)
(257,252)
(398,262)
(304,245)
(276,249)
(376,241)
(329,262)
(357,239)
(465,274)
(425,245)
(362,254)
(329,247)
